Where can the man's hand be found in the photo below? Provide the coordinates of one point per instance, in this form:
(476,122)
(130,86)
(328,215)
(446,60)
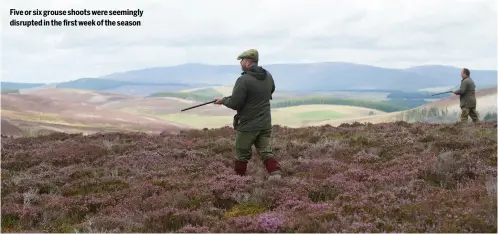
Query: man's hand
(218,101)
(454,92)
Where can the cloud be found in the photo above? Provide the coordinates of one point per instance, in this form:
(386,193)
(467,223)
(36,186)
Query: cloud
(383,33)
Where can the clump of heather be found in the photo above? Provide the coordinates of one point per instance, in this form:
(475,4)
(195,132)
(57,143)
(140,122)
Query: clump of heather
(391,177)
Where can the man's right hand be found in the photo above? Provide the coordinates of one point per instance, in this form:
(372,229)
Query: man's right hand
(218,101)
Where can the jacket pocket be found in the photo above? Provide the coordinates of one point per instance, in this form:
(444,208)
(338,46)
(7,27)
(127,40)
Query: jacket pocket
(236,121)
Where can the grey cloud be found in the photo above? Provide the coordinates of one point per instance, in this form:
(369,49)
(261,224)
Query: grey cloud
(381,33)
(339,41)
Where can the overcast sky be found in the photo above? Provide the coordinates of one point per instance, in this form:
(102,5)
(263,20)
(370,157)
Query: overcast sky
(386,33)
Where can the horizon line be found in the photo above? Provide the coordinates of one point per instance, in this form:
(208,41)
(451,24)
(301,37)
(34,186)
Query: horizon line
(270,64)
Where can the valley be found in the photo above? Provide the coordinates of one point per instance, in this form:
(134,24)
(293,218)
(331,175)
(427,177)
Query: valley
(70,110)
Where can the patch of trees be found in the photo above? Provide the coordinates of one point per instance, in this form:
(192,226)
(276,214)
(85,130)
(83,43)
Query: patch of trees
(414,95)
(377,105)
(408,103)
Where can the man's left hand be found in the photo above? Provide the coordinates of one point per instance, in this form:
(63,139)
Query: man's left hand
(218,101)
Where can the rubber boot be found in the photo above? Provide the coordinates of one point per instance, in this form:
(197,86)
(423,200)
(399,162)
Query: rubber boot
(240,167)
(273,168)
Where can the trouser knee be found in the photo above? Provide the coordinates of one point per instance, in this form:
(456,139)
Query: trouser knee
(243,145)
(465,115)
(265,153)
(243,155)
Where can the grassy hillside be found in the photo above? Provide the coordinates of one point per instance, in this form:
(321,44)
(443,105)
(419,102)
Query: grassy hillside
(441,111)
(208,94)
(395,100)
(440,115)
(294,116)
(362,178)
(64,109)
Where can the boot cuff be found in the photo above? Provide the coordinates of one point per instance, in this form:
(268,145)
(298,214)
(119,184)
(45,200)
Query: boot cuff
(271,165)
(240,167)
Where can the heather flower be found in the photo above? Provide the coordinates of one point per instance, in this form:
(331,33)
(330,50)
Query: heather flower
(193,229)
(355,178)
(365,157)
(271,222)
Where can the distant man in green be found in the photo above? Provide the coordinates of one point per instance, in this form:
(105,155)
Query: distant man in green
(251,97)
(467,94)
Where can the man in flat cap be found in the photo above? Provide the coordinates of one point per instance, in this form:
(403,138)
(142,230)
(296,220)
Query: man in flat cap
(251,97)
(467,94)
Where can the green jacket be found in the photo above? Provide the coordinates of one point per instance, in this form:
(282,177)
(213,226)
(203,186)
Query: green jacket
(251,97)
(467,93)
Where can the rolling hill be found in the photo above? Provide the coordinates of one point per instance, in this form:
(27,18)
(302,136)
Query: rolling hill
(313,76)
(64,110)
(72,110)
(388,101)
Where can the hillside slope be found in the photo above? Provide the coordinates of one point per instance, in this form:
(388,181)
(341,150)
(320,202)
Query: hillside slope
(9,129)
(376,178)
(64,110)
(486,103)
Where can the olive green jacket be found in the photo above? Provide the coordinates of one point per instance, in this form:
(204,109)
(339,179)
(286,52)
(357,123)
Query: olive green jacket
(467,93)
(251,97)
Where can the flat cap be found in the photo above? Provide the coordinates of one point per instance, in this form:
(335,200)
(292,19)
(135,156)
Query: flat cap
(249,54)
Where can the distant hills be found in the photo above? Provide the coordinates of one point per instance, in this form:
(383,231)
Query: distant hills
(107,85)
(289,77)
(15,85)
(314,76)
(116,86)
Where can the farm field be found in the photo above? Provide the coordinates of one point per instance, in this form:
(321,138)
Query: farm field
(295,116)
(395,177)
